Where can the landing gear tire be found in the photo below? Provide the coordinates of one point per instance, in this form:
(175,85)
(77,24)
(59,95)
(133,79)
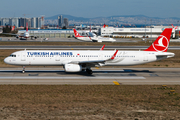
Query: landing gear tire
(89,71)
(23,71)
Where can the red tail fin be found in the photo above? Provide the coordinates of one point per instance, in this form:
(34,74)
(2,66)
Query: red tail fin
(13,28)
(104,25)
(90,28)
(76,34)
(162,42)
(26,27)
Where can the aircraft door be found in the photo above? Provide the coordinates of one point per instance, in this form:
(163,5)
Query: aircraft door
(145,57)
(57,58)
(23,56)
(100,56)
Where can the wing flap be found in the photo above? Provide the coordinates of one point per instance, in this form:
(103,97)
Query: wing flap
(88,62)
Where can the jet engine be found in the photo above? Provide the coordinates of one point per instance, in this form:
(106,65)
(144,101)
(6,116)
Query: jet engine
(72,68)
(17,37)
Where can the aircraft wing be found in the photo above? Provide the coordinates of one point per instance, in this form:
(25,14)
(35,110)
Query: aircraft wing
(94,61)
(10,34)
(32,36)
(13,34)
(88,62)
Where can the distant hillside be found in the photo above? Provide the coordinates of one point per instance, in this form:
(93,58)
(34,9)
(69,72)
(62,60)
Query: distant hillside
(119,19)
(69,17)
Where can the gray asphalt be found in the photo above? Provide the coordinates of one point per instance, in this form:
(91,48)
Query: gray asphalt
(13,39)
(124,76)
(73,46)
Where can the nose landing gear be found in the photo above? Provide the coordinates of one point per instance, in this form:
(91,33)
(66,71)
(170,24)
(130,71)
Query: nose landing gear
(23,71)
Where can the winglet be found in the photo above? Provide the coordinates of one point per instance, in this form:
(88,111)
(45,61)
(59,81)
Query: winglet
(114,55)
(102,48)
(174,27)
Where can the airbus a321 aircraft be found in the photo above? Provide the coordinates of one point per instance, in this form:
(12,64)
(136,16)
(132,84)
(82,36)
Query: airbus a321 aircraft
(81,60)
(92,37)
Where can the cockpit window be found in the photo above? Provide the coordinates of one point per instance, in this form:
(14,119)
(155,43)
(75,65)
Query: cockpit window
(12,55)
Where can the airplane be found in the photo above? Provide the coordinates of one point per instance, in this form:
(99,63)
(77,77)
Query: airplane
(96,38)
(24,35)
(79,37)
(83,60)
(92,37)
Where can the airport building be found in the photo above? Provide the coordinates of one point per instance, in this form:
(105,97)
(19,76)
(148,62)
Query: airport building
(151,32)
(54,33)
(43,33)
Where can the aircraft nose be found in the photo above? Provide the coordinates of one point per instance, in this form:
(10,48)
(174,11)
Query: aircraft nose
(7,60)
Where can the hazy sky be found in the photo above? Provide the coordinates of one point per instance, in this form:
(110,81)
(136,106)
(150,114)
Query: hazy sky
(90,8)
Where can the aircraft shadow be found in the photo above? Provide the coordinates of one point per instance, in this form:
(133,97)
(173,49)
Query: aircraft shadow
(83,73)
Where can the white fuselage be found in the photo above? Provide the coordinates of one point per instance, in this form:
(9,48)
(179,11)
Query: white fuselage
(102,39)
(62,57)
(96,39)
(87,39)
(26,35)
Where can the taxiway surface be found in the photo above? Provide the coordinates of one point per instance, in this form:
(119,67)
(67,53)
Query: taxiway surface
(124,76)
(13,39)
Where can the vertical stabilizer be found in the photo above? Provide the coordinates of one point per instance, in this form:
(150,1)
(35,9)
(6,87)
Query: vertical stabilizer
(76,34)
(26,27)
(162,42)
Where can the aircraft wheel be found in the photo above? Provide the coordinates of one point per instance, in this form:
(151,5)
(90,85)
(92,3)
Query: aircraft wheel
(89,71)
(23,71)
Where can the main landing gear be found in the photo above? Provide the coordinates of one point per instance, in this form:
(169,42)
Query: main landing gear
(23,71)
(89,71)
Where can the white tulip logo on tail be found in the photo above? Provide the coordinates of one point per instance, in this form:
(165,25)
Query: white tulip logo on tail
(161,44)
(77,34)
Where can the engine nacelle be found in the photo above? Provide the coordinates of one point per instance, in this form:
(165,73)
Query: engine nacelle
(72,68)
(99,40)
(17,37)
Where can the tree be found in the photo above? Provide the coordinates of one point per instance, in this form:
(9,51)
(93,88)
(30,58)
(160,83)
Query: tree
(6,29)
